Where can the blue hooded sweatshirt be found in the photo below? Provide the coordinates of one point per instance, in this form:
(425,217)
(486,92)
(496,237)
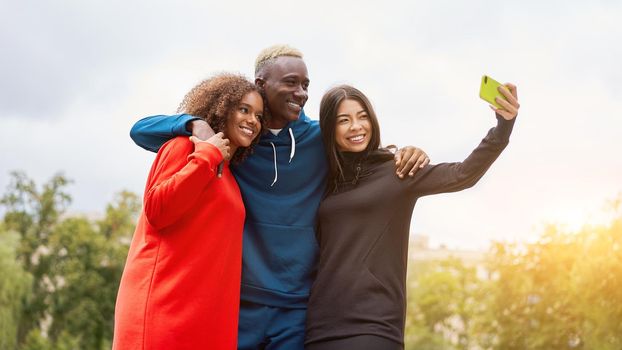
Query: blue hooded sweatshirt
(282,184)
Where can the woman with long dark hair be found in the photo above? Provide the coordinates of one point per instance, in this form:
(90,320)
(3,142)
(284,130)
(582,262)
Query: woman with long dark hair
(358,300)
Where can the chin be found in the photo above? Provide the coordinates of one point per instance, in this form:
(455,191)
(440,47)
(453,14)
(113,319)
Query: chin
(358,149)
(244,144)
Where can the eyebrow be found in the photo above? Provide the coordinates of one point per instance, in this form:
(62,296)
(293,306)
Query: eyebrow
(296,75)
(243,104)
(347,115)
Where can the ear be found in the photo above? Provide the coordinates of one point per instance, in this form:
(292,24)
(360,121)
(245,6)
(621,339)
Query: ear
(260,82)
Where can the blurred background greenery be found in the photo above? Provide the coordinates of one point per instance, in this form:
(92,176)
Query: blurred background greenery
(60,273)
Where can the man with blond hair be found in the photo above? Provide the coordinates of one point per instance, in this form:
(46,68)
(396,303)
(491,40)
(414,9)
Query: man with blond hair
(282,184)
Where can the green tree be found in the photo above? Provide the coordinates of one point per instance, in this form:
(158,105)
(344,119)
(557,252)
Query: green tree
(562,292)
(443,297)
(75,264)
(15,287)
(33,214)
(598,283)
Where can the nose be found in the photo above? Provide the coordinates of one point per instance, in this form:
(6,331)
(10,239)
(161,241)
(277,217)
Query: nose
(301,93)
(252,119)
(356,124)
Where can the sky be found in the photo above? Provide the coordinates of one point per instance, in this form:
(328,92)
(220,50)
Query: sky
(75,76)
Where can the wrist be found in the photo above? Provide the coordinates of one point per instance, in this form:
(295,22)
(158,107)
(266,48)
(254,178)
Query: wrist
(194,123)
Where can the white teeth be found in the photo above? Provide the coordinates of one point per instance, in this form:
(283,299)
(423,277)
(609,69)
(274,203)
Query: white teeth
(247,131)
(357,138)
(295,105)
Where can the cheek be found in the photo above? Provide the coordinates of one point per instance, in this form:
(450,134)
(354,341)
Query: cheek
(272,102)
(271,91)
(368,128)
(340,132)
(232,121)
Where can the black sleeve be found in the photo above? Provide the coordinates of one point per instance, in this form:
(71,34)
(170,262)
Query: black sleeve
(452,177)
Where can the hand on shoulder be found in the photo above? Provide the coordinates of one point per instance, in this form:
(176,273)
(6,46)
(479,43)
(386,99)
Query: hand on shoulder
(218,140)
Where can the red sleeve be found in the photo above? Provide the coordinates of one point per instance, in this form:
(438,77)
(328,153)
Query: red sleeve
(177,178)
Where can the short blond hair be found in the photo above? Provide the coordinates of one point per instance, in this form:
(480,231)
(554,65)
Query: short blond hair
(270,53)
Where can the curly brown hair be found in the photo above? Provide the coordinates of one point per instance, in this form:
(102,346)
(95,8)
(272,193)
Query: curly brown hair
(215,99)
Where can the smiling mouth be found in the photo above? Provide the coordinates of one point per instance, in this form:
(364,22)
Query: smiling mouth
(357,138)
(294,105)
(248,131)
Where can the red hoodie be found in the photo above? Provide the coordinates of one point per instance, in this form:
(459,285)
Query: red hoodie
(181,283)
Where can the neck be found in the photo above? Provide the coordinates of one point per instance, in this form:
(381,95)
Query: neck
(276,124)
(232,149)
(351,153)
(351,157)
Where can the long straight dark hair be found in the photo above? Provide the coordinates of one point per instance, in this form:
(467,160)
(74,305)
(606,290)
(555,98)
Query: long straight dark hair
(328,116)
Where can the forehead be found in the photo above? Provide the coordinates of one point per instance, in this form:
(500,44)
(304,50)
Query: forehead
(287,65)
(350,106)
(252,98)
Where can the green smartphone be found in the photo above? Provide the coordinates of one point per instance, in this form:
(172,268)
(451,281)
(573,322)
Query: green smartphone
(488,91)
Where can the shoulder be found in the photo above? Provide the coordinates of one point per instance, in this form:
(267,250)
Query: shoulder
(381,157)
(314,124)
(307,129)
(384,167)
(304,123)
(177,145)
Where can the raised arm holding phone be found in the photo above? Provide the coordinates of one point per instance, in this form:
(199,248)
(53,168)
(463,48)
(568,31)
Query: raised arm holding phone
(358,299)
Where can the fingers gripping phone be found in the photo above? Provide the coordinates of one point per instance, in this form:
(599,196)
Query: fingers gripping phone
(488,90)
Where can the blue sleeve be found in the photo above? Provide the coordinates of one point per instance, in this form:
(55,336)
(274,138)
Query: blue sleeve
(152,132)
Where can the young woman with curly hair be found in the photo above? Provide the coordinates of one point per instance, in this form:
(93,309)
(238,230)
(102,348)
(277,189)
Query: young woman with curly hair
(181,283)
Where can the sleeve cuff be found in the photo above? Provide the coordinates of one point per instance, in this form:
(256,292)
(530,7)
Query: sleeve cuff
(179,128)
(504,128)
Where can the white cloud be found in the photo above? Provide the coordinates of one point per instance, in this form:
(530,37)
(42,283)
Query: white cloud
(80,74)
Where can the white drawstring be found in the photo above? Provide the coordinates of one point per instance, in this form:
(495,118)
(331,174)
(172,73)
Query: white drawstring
(291,156)
(276,172)
(293,150)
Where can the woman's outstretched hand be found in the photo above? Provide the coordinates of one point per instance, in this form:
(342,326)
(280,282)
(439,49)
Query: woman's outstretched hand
(511,105)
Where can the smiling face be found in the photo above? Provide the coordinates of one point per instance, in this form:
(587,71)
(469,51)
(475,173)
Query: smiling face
(353,127)
(244,123)
(285,82)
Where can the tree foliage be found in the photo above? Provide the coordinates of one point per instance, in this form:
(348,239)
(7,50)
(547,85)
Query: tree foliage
(15,286)
(59,276)
(70,265)
(562,292)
